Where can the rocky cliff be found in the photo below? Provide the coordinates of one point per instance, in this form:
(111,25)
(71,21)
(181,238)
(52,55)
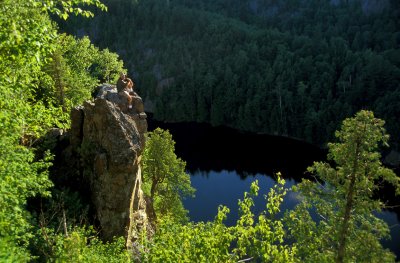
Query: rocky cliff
(109,139)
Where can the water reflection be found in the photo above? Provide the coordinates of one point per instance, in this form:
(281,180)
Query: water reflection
(220,148)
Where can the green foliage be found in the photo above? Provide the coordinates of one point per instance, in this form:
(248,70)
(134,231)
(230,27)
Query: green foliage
(26,36)
(63,9)
(79,245)
(259,238)
(22,175)
(164,177)
(309,72)
(82,246)
(191,242)
(263,239)
(11,252)
(346,229)
(27,40)
(107,66)
(75,69)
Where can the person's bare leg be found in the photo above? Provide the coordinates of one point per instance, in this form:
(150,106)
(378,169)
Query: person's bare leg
(129,102)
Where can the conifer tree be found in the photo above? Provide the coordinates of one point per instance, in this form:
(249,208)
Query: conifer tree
(346,229)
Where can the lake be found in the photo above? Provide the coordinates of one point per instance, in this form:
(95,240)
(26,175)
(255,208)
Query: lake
(223,162)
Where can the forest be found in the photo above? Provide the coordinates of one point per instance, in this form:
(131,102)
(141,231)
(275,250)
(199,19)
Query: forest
(296,68)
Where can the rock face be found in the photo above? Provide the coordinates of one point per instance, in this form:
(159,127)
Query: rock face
(109,140)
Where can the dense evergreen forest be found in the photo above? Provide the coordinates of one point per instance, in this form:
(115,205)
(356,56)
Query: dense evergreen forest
(294,68)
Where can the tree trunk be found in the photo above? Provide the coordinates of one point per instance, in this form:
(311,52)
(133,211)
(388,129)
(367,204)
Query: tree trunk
(153,188)
(150,201)
(349,206)
(59,83)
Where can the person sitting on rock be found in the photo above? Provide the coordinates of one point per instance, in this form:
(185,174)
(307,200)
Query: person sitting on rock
(121,82)
(127,91)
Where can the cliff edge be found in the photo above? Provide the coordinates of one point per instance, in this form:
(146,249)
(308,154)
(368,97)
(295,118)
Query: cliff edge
(108,138)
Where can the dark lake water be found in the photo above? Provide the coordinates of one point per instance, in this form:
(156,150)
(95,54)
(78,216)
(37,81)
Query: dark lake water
(224,162)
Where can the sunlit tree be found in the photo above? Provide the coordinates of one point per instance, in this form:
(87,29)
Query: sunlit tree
(27,38)
(347,229)
(164,176)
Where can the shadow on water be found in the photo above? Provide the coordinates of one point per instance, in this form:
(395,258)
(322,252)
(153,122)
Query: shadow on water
(220,148)
(223,162)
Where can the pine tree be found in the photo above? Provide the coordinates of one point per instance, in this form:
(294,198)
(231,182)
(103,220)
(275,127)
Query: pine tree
(346,229)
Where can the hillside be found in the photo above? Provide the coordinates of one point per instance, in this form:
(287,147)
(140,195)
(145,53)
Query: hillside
(292,68)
